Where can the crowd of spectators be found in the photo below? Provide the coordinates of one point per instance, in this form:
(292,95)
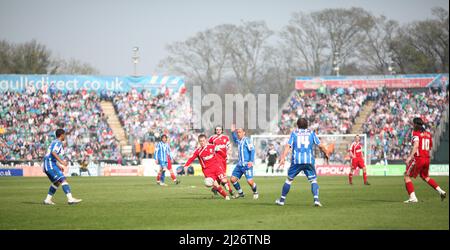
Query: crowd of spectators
(29,119)
(389,125)
(328,113)
(146,116)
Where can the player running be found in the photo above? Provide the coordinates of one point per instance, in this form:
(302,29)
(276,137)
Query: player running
(54,164)
(222,142)
(246,153)
(418,161)
(211,166)
(301,142)
(164,159)
(357,161)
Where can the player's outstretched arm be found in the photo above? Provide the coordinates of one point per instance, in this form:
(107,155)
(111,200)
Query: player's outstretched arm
(325,151)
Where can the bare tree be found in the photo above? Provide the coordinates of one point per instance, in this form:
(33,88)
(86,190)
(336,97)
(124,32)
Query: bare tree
(247,50)
(203,57)
(376,52)
(73,67)
(307,40)
(345,32)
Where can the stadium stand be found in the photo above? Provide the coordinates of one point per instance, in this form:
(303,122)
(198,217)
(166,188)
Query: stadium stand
(29,120)
(146,117)
(330,113)
(389,125)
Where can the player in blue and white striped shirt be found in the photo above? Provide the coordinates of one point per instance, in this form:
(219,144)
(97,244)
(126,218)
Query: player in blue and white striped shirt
(246,156)
(163,157)
(302,141)
(55,155)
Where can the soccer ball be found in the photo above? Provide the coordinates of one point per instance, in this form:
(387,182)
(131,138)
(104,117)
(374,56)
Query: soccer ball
(209,182)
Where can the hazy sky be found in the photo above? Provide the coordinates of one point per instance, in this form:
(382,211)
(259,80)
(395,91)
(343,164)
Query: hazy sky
(103,33)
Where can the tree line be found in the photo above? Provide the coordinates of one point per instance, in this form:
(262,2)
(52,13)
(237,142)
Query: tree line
(251,58)
(35,58)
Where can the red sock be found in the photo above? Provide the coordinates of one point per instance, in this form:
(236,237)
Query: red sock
(432,183)
(221,191)
(365,177)
(158,177)
(409,187)
(172,175)
(350,176)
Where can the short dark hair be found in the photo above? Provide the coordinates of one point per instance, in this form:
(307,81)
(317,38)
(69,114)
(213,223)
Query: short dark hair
(164,135)
(302,123)
(201,136)
(59,132)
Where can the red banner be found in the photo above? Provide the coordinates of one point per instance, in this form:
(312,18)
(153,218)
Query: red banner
(395,82)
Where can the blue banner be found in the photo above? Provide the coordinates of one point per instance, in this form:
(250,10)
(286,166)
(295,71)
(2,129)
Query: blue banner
(155,84)
(11,172)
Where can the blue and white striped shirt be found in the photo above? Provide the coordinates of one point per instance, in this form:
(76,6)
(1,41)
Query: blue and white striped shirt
(301,142)
(246,149)
(49,160)
(162,152)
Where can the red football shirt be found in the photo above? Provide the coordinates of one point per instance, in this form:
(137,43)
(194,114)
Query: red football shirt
(356,149)
(222,142)
(425,143)
(207,156)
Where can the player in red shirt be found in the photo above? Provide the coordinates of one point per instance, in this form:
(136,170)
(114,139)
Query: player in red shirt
(418,161)
(357,160)
(222,142)
(211,166)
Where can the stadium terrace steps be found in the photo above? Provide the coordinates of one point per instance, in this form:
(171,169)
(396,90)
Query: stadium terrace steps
(362,117)
(114,123)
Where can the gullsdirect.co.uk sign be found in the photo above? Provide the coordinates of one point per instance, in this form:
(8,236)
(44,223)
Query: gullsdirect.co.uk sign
(94,83)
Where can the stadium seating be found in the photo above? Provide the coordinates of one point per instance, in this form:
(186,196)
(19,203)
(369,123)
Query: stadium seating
(389,125)
(29,120)
(330,113)
(146,117)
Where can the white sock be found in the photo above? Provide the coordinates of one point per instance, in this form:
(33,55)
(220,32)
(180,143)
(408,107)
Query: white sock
(49,197)
(440,190)
(69,196)
(413,196)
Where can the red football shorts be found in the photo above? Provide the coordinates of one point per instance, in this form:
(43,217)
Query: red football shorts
(216,173)
(418,166)
(358,163)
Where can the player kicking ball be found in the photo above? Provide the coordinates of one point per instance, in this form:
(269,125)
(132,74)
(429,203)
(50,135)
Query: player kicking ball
(357,160)
(301,142)
(211,166)
(418,161)
(246,153)
(54,169)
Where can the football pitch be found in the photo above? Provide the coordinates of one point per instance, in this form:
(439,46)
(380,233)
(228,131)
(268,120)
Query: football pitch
(138,203)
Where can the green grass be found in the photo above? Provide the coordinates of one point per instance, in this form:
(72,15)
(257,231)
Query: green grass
(138,203)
